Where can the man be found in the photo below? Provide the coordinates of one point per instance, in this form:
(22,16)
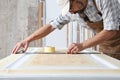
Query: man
(100,15)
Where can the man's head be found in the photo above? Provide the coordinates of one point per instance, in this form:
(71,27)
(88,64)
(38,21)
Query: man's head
(72,6)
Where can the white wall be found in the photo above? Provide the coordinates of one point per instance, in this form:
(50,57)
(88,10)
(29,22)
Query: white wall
(58,37)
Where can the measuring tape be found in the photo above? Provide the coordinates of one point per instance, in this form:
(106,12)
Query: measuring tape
(49,49)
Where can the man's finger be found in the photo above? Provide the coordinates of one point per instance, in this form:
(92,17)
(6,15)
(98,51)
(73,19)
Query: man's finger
(26,46)
(71,47)
(16,49)
(73,50)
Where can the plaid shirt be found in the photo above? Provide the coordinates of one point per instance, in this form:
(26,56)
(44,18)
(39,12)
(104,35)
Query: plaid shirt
(110,10)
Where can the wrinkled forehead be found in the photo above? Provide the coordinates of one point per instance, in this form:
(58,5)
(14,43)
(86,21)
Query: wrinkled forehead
(78,1)
(75,0)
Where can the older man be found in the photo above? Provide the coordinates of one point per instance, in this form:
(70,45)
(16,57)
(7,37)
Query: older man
(100,15)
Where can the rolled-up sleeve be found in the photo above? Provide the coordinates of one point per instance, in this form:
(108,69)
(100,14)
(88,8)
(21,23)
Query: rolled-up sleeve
(60,21)
(110,14)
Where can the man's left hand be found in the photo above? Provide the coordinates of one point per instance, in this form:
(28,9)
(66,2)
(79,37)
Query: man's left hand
(75,48)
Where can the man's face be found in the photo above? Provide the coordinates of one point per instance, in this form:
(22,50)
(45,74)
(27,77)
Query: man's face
(77,5)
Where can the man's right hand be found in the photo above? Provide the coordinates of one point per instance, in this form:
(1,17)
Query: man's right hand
(23,44)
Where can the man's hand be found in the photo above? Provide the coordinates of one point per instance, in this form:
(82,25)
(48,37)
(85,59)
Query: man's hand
(75,48)
(23,44)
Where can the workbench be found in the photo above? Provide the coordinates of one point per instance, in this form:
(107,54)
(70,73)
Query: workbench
(37,65)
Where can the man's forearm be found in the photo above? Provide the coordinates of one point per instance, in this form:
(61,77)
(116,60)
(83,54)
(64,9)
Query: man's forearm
(43,31)
(99,38)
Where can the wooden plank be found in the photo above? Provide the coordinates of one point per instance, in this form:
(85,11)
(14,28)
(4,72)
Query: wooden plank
(67,35)
(40,21)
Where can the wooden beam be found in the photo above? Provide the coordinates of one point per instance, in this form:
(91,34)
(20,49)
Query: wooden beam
(40,20)
(67,35)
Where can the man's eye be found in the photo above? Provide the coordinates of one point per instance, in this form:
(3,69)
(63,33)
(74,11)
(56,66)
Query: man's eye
(78,2)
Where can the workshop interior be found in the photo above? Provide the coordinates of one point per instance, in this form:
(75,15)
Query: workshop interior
(47,58)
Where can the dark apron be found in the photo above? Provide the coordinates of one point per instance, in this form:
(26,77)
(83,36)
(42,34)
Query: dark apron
(110,47)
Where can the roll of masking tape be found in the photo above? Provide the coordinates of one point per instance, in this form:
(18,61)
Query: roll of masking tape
(49,49)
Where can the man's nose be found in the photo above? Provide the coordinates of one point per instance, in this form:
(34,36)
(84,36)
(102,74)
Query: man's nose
(71,11)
